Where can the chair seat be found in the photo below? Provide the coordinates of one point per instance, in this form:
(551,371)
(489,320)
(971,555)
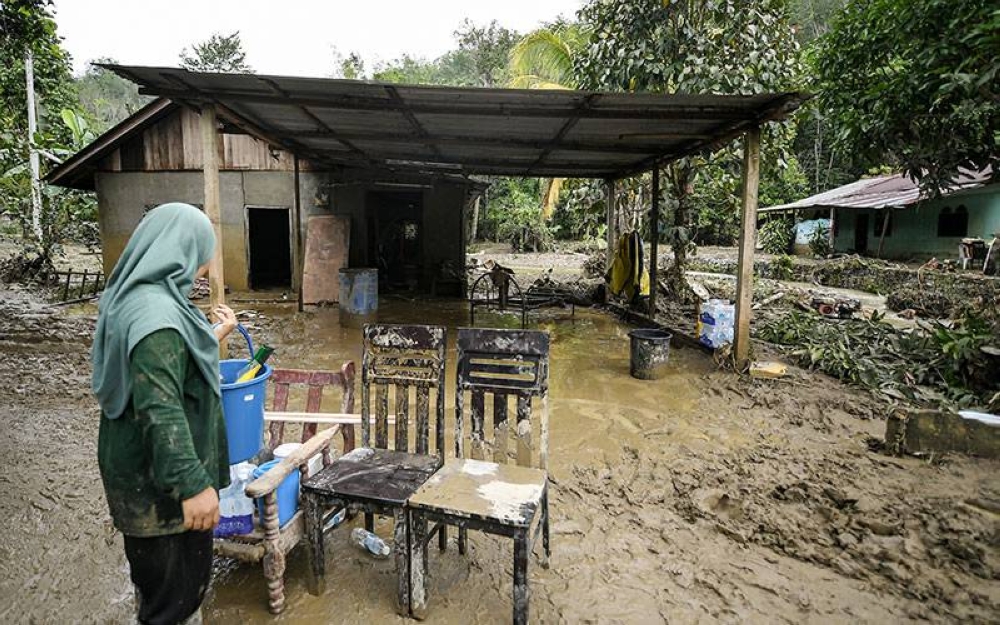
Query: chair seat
(502,494)
(377,476)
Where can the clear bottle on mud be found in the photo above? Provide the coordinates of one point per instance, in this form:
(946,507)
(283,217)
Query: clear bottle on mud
(366,540)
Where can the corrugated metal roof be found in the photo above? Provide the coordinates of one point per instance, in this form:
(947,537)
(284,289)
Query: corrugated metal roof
(891,191)
(350,124)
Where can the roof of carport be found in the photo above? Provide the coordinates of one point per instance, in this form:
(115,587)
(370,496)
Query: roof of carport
(515,132)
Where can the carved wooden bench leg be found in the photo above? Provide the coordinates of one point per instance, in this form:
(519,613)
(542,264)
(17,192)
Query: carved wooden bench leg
(274,559)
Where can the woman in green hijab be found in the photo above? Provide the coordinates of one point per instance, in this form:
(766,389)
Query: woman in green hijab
(162,442)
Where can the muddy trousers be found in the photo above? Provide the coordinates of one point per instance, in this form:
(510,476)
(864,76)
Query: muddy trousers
(171,574)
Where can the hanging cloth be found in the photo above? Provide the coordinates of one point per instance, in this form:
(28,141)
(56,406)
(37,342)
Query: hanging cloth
(627,277)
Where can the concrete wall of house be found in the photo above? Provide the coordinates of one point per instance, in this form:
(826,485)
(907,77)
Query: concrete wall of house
(913,231)
(123,196)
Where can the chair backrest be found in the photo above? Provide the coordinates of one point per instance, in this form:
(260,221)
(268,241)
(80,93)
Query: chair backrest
(401,357)
(283,381)
(504,364)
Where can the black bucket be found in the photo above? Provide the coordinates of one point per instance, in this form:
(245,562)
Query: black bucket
(649,353)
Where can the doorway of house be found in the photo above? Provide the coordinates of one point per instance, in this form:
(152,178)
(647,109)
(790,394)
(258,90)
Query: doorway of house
(395,228)
(861,233)
(270,253)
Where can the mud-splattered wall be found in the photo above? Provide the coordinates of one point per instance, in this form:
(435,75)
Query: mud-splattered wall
(123,198)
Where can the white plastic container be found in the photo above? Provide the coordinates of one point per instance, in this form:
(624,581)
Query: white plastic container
(715,327)
(283,451)
(235,508)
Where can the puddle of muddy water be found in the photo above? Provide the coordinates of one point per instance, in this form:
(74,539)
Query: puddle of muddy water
(596,410)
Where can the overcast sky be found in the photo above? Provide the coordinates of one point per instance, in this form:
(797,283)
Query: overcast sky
(294,37)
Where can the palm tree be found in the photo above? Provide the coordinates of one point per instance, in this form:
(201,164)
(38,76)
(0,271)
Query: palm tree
(545,59)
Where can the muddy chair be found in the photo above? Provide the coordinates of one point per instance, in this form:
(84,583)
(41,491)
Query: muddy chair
(375,478)
(486,492)
(270,542)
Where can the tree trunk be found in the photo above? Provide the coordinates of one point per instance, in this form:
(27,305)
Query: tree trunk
(680,176)
(475,219)
(36,187)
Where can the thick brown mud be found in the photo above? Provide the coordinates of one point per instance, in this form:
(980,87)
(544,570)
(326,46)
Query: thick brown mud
(700,497)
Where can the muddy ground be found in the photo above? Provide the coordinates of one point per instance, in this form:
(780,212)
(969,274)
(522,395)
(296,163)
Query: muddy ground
(702,497)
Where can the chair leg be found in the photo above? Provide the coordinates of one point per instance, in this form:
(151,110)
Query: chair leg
(463,538)
(546,549)
(314,544)
(402,550)
(521,591)
(418,565)
(370,522)
(274,559)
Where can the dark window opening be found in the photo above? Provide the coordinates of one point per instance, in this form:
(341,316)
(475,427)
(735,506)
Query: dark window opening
(953,222)
(883,222)
(270,248)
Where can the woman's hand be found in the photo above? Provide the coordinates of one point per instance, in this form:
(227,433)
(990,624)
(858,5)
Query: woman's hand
(201,512)
(226,318)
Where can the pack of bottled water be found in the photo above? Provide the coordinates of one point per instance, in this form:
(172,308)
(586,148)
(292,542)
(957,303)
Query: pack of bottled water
(715,327)
(235,508)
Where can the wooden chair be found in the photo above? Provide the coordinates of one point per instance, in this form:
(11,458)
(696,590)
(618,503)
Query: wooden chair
(269,543)
(374,478)
(486,492)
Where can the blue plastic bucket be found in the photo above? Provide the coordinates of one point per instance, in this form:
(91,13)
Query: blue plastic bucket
(243,406)
(288,493)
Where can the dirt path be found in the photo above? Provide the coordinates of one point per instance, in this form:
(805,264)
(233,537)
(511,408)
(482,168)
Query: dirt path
(700,497)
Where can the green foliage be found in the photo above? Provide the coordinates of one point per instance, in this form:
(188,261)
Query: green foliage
(486,48)
(776,235)
(914,83)
(513,214)
(819,242)
(546,58)
(783,267)
(691,46)
(105,97)
(929,363)
(221,53)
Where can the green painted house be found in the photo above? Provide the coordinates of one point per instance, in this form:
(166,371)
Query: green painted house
(915,227)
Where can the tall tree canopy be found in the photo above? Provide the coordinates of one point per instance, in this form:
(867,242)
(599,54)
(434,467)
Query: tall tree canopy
(221,53)
(696,46)
(105,97)
(916,84)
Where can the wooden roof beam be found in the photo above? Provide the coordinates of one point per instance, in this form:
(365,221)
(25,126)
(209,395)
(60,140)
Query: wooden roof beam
(570,123)
(316,120)
(411,118)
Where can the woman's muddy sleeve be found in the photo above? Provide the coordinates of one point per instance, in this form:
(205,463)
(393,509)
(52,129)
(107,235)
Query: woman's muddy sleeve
(158,365)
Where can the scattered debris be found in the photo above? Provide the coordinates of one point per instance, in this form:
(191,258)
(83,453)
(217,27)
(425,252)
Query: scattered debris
(768,370)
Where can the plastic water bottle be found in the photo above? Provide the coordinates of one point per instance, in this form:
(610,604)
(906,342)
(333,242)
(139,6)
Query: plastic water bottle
(366,540)
(235,508)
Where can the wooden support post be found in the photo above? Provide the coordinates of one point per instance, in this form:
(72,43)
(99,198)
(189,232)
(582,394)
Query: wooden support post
(297,221)
(886,218)
(609,203)
(654,242)
(210,172)
(748,238)
(833,228)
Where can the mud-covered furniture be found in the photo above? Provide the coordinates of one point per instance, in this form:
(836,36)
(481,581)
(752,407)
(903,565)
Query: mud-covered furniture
(498,290)
(269,542)
(380,476)
(502,487)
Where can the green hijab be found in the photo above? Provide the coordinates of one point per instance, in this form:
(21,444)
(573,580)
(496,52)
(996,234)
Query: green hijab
(147,292)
